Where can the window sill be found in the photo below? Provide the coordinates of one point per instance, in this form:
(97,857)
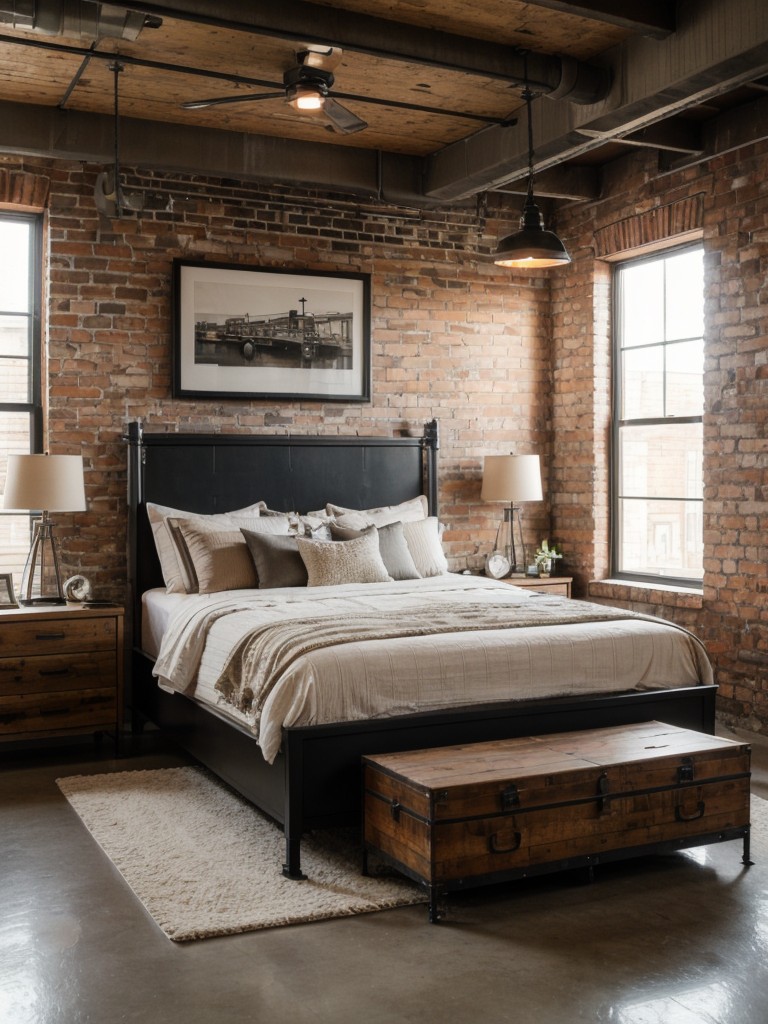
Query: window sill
(632,592)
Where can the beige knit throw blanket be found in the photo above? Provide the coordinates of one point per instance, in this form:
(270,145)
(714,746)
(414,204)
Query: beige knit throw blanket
(257,662)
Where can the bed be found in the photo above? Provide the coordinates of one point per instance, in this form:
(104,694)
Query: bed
(298,767)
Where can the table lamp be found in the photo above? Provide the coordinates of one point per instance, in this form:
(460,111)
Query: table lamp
(512,478)
(46,483)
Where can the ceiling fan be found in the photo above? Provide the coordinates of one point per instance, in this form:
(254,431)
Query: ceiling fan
(306,86)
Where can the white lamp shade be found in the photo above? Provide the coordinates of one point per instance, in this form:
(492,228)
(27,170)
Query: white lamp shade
(50,483)
(511,478)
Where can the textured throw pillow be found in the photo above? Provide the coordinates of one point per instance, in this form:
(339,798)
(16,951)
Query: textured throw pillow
(220,558)
(425,546)
(357,519)
(393,549)
(277,560)
(351,561)
(167,539)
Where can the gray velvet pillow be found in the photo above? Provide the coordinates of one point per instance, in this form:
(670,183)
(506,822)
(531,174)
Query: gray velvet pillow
(277,560)
(392,548)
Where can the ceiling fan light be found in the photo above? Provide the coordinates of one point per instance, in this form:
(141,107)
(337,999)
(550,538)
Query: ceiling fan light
(532,246)
(306,96)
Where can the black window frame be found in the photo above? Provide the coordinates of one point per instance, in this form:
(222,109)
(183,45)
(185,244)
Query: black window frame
(677,582)
(34,406)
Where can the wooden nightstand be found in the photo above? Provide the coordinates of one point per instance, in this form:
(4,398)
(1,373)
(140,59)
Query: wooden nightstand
(548,584)
(61,671)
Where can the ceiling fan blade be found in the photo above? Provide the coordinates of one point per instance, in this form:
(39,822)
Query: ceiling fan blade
(342,120)
(316,55)
(219,101)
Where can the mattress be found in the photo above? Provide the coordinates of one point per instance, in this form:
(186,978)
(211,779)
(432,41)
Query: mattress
(378,678)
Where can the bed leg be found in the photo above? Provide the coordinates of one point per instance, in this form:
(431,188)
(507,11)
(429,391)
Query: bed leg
(292,866)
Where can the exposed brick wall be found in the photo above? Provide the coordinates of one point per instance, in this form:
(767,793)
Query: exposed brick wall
(453,336)
(732,616)
(505,361)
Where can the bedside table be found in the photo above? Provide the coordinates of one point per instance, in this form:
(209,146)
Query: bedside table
(547,584)
(61,671)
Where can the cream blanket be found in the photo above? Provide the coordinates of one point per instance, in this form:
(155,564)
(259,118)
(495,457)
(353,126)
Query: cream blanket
(259,660)
(582,648)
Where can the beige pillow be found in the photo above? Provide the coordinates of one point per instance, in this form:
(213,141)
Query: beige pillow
(425,546)
(275,527)
(357,519)
(349,561)
(220,559)
(174,562)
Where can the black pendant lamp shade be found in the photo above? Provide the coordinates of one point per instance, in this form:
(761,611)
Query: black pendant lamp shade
(531,246)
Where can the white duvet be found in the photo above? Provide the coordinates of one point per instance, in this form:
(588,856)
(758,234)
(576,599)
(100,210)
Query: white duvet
(381,678)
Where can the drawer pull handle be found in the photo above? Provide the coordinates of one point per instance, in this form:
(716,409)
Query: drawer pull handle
(50,636)
(603,794)
(495,844)
(698,813)
(53,672)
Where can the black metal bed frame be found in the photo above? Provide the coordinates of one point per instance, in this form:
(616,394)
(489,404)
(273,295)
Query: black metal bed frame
(315,780)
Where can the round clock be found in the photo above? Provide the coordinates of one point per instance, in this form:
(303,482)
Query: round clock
(77,589)
(497,565)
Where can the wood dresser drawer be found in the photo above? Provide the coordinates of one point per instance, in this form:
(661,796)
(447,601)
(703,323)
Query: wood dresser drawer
(50,672)
(61,671)
(457,816)
(57,635)
(560,585)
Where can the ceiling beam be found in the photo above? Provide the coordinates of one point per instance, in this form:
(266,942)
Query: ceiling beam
(740,126)
(654,18)
(390,178)
(576,184)
(717,47)
(677,135)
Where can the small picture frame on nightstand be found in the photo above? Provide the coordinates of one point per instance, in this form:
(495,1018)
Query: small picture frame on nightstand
(7,594)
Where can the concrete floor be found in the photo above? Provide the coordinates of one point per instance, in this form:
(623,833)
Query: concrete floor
(678,939)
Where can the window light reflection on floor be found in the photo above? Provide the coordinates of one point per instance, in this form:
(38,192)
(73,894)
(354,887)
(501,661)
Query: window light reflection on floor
(701,1005)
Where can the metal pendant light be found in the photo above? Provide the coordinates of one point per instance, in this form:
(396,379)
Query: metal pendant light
(531,246)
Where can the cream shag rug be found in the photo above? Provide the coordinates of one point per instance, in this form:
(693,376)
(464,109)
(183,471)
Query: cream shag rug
(205,862)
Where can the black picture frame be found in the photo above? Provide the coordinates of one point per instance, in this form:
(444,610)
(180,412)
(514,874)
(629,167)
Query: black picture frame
(245,332)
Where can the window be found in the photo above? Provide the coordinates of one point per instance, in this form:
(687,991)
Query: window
(657,420)
(20,394)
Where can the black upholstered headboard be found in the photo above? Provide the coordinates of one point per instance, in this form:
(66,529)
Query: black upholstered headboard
(219,472)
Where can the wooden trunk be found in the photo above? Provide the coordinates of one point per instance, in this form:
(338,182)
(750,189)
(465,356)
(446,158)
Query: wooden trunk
(450,817)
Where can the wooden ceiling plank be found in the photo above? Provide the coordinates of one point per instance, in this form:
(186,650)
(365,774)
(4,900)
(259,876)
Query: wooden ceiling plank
(652,18)
(299,20)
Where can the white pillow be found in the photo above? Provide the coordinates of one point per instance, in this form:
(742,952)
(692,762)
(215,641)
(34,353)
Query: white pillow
(343,561)
(357,519)
(425,546)
(174,561)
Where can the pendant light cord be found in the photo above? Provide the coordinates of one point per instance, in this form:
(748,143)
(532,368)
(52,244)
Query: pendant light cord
(116,69)
(528,97)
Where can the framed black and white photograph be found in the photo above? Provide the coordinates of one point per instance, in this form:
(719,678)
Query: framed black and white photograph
(245,332)
(7,594)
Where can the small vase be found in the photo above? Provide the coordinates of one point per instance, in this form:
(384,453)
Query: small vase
(545,567)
